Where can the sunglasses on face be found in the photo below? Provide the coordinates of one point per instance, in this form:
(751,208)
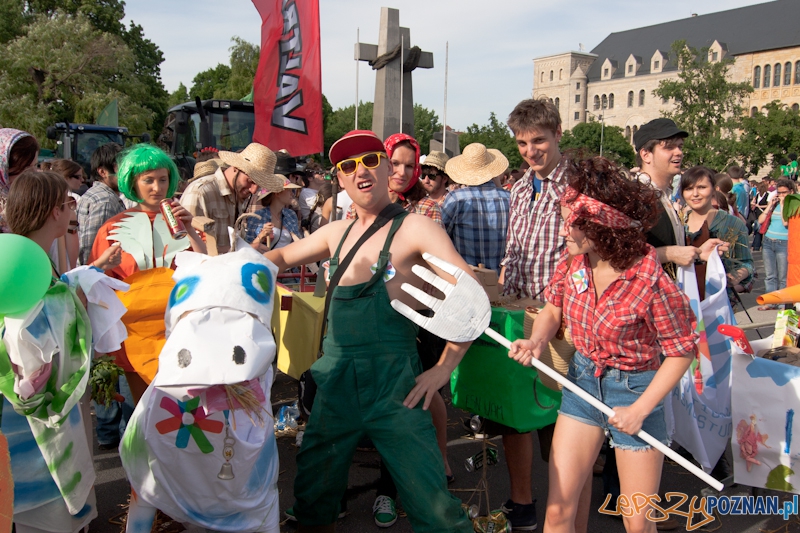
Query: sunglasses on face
(431,176)
(76,177)
(370,160)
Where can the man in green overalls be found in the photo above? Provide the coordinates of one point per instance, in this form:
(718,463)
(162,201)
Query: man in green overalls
(369,382)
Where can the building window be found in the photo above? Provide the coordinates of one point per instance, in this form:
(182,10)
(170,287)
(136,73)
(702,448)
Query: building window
(611,101)
(753,111)
(756,77)
(641,97)
(596,102)
(714,56)
(630,69)
(787,73)
(630,98)
(557,102)
(633,131)
(777,80)
(664,101)
(551,75)
(541,78)
(605,73)
(767,75)
(561,74)
(627,132)
(577,99)
(795,107)
(577,85)
(605,102)
(656,65)
(577,115)
(797,73)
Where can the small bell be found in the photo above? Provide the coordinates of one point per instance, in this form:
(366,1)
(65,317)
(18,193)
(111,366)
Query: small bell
(226,472)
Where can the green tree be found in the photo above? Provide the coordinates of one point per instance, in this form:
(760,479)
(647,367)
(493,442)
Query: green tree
(64,68)
(180,96)
(767,137)
(586,137)
(208,82)
(708,106)
(12,20)
(493,135)
(244,63)
(343,119)
(426,123)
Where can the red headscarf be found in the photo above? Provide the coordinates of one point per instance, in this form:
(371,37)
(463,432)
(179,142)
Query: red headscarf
(583,206)
(391,143)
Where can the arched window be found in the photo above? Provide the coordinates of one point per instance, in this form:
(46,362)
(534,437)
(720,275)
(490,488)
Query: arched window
(787,73)
(630,98)
(627,132)
(767,75)
(551,75)
(776,82)
(558,103)
(633,132)
(561,74)
(541,78)
(797,73)
(753,111)
(605,102)
(795,107)
(611,101)
(756,77)
(596,102)
(641,98)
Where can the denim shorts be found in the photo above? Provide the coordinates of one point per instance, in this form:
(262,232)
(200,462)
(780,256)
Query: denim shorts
(615,388)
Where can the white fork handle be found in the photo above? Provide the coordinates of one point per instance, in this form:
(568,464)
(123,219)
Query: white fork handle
(597,404)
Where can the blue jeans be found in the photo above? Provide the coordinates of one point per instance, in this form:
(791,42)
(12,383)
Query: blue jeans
(111,421)
(616,388)
(776,263)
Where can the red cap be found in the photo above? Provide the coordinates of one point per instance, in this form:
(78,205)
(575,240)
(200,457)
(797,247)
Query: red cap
(354,143)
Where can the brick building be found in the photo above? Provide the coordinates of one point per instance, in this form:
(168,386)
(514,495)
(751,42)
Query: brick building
(618,77)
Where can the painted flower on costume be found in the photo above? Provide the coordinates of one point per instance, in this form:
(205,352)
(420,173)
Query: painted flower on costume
(748,437)
(188,419)
(580,280)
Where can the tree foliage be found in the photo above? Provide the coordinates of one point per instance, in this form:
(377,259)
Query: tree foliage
(205,84)
(67,59)
(64,68)
(585,137)
(767,137)
(426,123)
(708,105)
(342,120)
(229,82)
(180,96)
(493,135)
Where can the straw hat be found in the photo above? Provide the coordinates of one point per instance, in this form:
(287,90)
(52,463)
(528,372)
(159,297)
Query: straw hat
(279,184)
(476,165)
(204,168)
(257,161)
(436,159)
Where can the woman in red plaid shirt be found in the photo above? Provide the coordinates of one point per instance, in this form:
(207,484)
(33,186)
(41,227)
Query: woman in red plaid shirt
(626,316)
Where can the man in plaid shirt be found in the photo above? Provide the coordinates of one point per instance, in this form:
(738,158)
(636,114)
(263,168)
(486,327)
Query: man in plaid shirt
(102,201)
(533,248)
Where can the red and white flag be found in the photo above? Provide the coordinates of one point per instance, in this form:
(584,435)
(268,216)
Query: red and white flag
(287,91)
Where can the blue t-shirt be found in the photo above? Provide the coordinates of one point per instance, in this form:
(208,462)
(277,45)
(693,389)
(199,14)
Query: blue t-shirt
(776,230)
(537,187)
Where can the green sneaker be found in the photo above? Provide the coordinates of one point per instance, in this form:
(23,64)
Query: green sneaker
(384,512)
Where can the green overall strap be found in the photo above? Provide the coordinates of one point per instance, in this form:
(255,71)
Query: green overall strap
(383,260)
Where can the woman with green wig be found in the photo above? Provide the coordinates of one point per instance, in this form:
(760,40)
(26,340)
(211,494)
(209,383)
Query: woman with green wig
(146,175)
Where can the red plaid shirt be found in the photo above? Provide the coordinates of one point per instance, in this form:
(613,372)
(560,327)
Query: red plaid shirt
(641,315)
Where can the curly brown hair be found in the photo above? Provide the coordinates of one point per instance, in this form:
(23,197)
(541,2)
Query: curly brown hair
(602,180)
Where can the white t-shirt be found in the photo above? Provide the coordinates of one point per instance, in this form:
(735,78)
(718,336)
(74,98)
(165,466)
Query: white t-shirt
(343,202)
(308,197)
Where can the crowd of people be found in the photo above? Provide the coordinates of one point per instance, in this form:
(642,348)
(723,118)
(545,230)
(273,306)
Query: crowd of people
(600,244)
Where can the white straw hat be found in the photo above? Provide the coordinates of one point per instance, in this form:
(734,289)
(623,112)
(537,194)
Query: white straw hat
(258,162)
(476,165)
(436,160)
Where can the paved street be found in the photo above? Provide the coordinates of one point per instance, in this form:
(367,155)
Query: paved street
(112,487)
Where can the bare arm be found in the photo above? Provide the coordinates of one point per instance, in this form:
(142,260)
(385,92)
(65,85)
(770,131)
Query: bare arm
(544,328)
(313,248)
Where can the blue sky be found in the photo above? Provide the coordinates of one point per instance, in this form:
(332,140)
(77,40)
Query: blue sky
(492,44)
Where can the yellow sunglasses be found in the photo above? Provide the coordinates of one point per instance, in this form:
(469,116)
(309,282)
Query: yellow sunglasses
(370,160)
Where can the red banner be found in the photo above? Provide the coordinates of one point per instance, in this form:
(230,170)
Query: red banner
(287,91)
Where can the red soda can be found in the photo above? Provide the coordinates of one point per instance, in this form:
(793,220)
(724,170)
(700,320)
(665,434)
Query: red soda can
(176,227)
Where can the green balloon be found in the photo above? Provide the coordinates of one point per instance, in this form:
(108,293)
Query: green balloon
(24,273)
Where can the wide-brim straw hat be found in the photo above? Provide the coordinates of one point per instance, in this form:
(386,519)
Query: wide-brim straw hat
(436,160)
(205,168)
(476,165)
(280,184)
(258,162)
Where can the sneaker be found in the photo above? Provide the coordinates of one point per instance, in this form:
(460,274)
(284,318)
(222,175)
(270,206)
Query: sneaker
(521,517)
(292,518)
(384,512)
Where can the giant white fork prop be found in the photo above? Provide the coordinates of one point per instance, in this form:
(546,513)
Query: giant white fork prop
(464,314)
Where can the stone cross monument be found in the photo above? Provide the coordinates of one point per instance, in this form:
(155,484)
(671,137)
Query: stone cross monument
(385,58)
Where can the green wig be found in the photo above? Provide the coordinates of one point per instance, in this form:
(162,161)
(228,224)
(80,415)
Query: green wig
(143,158)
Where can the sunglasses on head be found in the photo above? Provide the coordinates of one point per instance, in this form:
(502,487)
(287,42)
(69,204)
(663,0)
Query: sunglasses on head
(370,160)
